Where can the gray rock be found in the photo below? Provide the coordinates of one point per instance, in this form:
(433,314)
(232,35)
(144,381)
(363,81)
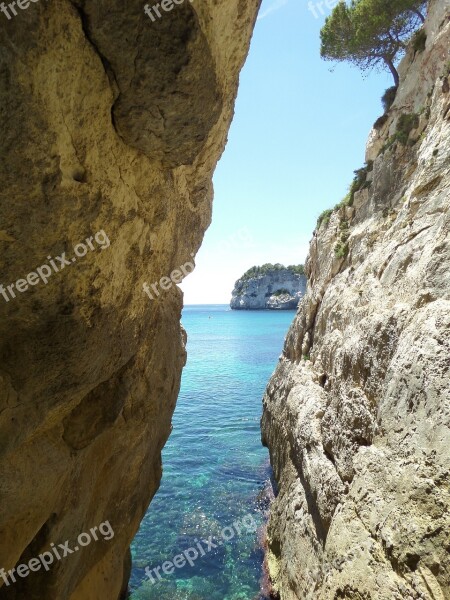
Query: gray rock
(276,288)
(357,414)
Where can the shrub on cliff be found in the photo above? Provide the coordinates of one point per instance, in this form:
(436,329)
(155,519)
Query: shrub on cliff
(270,268)
(405,125)
(341,249)
(324,217)
(388,98)
(371,33)
(387,101)
(419,41)
(297,269)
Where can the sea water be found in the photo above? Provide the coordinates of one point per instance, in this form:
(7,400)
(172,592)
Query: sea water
(216,472)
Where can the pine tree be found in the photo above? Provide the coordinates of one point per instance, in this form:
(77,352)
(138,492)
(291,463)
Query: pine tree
(371,33)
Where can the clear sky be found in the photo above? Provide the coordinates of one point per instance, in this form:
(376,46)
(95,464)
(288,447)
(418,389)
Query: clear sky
(298,134)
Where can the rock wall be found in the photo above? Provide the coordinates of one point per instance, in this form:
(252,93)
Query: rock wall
(276,289)
(359,435)
(113,124)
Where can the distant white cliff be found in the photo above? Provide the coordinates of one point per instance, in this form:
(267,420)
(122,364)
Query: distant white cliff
(274,287)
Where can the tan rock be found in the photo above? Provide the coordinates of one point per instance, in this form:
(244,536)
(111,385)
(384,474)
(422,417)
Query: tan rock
(109,122)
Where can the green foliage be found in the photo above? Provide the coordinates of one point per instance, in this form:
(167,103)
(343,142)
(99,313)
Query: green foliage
(370,33)
(344,228)
(359,182)
(388,98)
(297,269)
(324,217)
(406,123)
(268,268)
(258,271)
(380,122)
(391,141)
(341,249)
(446,71)
(281,292)
(419,41)
(347,200)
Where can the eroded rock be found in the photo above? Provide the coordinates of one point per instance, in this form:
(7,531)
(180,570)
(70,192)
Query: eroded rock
(109,123)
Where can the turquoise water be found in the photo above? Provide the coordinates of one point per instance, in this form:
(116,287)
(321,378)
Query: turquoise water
(216,473)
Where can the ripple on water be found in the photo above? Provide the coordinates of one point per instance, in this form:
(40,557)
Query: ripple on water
(215,469)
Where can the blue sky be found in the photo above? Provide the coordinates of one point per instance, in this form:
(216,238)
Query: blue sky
(298,134)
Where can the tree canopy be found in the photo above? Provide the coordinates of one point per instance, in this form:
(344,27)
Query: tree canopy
(371,33)
(268,268)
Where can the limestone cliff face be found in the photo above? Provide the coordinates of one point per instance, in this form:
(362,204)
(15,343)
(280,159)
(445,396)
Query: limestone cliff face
(109,122)
(277,288)
(359,435)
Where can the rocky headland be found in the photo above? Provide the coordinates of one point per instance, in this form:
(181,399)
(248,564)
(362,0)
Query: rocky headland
(272,287)
(357,413)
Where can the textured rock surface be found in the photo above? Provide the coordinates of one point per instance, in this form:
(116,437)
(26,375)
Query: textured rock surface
(278,289)
(359,435)
(283,301)
(109,122)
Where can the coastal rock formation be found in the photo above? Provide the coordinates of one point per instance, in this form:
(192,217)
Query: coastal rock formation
(111,124)
(272,287)
(357,413)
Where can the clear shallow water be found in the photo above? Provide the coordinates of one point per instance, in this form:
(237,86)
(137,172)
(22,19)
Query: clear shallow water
(215,469)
